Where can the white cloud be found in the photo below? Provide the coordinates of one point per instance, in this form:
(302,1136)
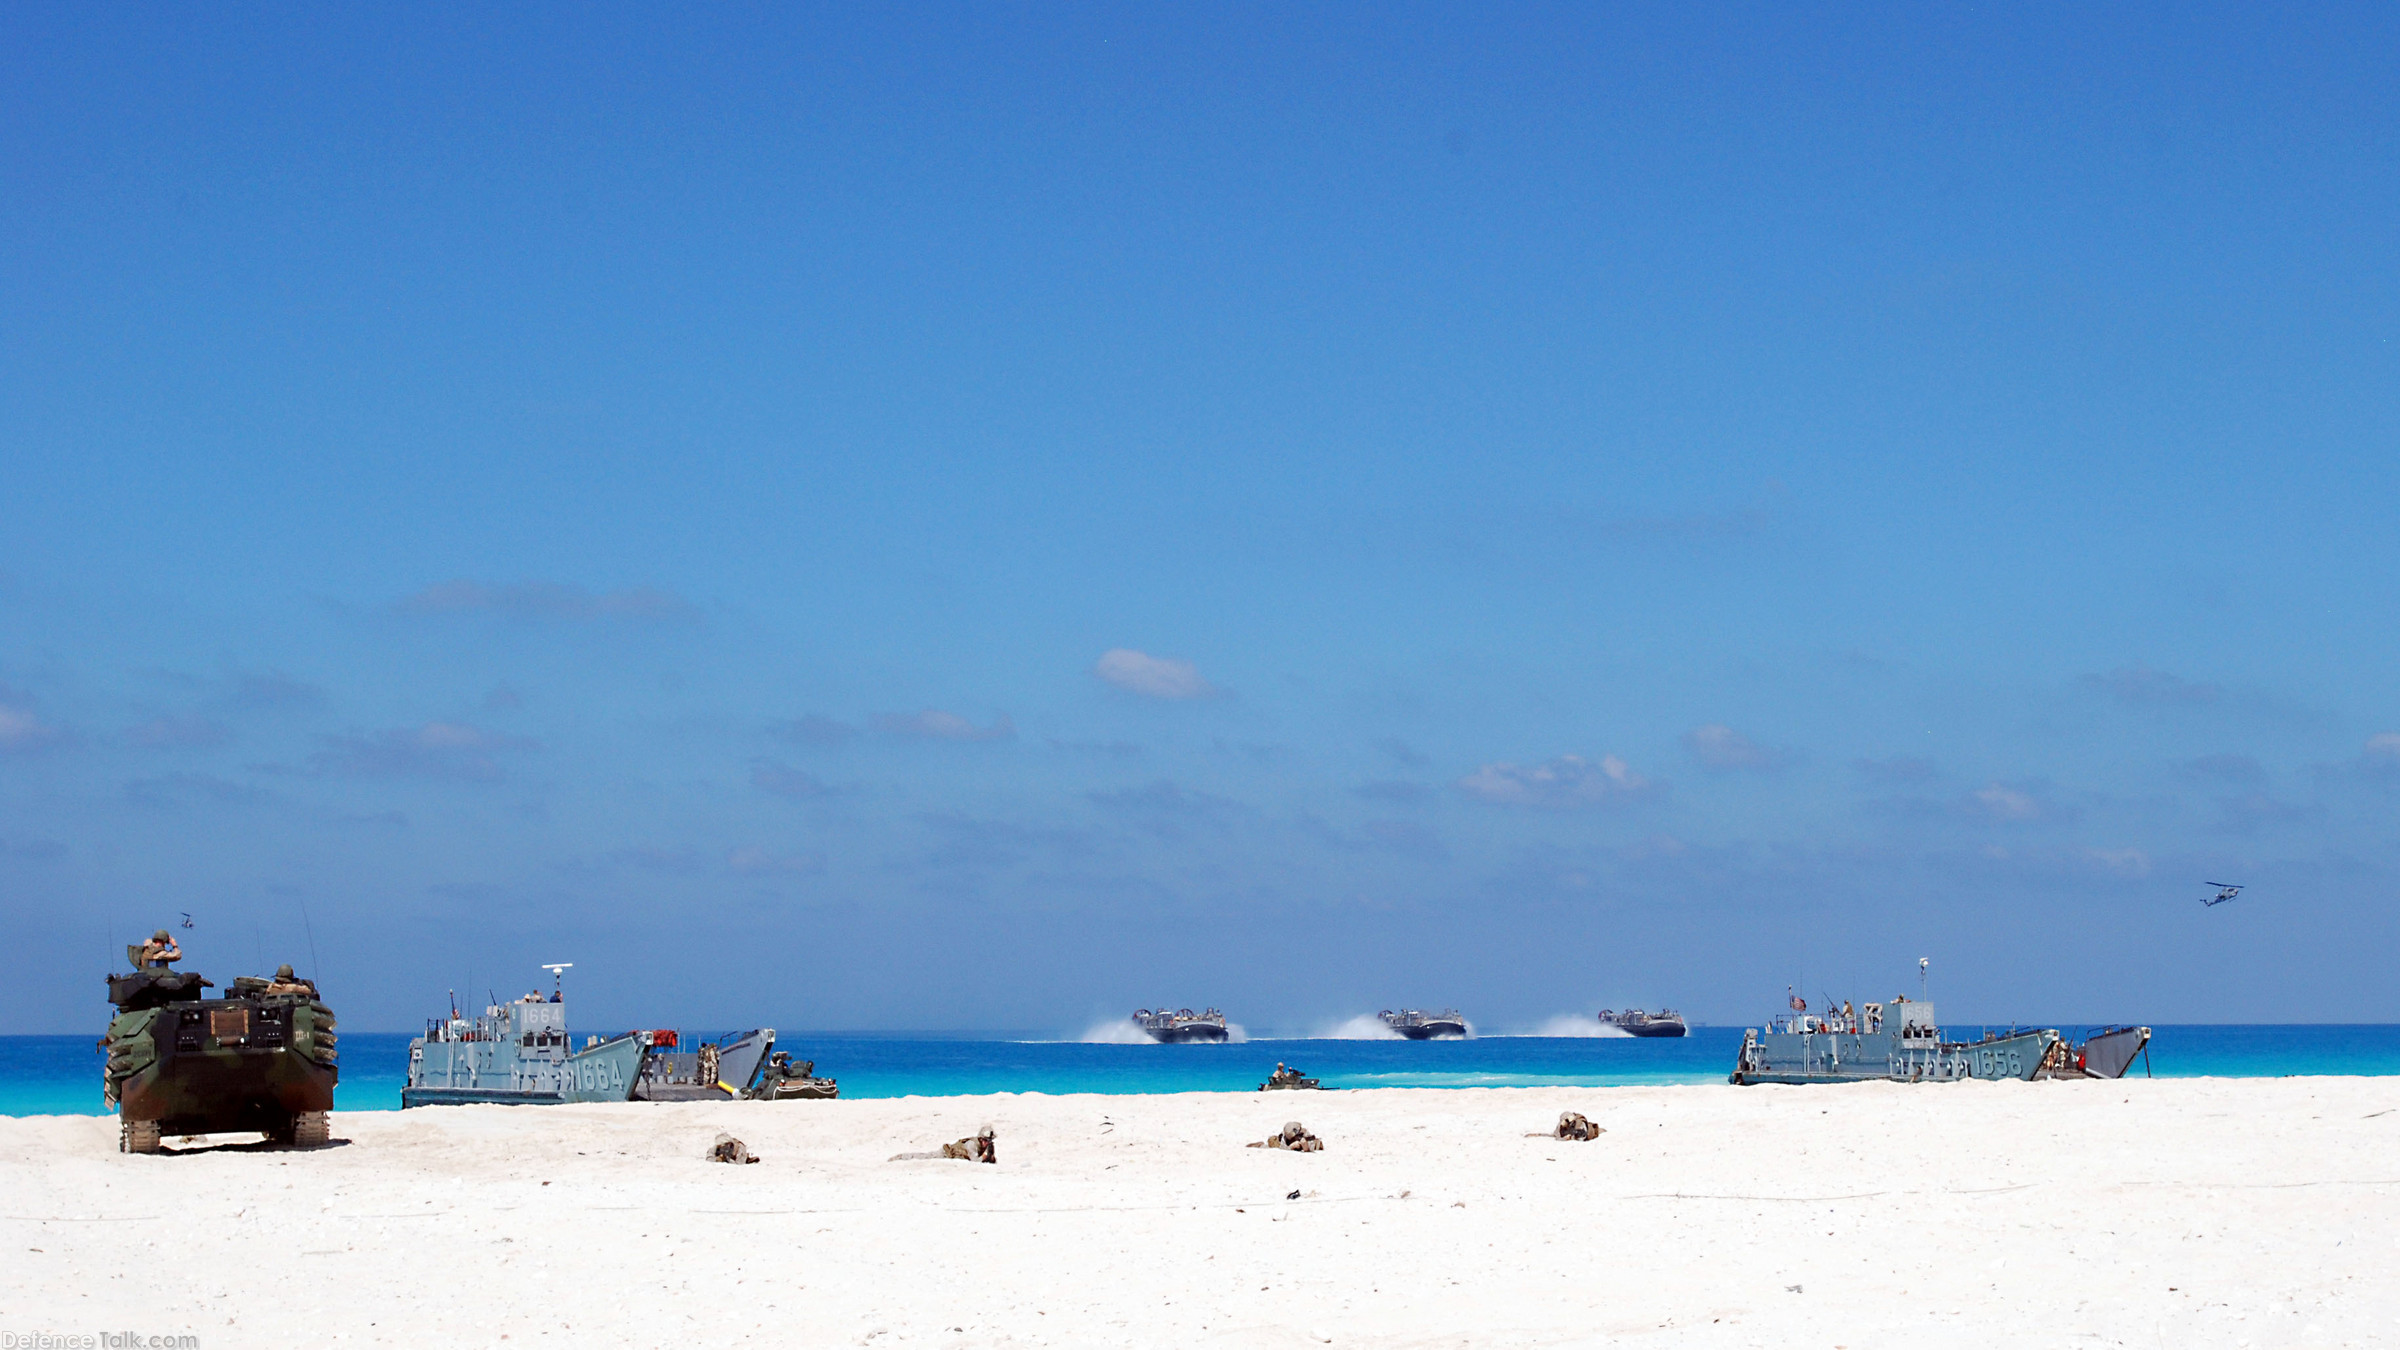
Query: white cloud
(2384,747)
(19,728)
(1569,780)
(934,724)
(452,736)
(2123,862)
(434,750)
(1721,747)
(2005,803)
(1153,676)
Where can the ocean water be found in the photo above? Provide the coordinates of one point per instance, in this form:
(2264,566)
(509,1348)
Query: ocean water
(60,1075)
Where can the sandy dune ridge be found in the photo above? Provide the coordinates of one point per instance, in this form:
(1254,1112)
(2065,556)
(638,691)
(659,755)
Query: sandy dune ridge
(2195,1212)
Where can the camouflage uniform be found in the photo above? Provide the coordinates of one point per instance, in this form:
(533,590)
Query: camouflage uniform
(1294,1137)
(285,982)
(978,1149)
(1572,1125)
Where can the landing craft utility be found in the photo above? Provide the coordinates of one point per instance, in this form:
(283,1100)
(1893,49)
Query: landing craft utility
(1900,1043)
(1896,1043)
(519,1054)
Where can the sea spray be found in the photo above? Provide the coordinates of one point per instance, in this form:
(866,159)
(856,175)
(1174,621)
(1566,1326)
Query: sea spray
(1576,1026)
(1364,1027)
(1114,1031)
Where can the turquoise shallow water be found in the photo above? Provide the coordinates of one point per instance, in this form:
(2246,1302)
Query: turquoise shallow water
(60,1075)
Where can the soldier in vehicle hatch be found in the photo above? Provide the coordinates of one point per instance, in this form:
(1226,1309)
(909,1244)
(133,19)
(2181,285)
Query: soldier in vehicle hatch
(285,982)
(160,950)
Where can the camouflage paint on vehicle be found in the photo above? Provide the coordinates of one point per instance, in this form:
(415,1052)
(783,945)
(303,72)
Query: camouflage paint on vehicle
(183,1063)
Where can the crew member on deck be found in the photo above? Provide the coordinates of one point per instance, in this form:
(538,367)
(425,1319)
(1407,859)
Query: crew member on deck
(160,950)
(285,982)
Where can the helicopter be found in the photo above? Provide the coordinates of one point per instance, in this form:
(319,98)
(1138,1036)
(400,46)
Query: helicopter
(2224,893)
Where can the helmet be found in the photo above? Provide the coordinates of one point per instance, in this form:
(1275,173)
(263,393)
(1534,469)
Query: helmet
(159,936)
(284,971)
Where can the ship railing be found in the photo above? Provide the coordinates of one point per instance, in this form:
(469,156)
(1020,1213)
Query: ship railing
(447,1029)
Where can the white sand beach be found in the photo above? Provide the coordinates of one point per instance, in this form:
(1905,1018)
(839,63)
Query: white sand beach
(2170,1213)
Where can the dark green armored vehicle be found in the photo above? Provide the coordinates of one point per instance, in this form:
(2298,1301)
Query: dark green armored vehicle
(784,1079)
(179,1062)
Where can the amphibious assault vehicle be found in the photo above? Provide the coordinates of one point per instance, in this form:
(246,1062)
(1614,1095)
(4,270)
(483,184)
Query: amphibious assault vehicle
(784,1079)
(262,1057)
(1286,1078)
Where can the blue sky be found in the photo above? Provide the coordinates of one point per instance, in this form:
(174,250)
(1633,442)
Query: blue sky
(946,517)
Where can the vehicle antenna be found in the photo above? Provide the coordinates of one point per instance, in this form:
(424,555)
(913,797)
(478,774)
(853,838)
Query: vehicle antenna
(315,969)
